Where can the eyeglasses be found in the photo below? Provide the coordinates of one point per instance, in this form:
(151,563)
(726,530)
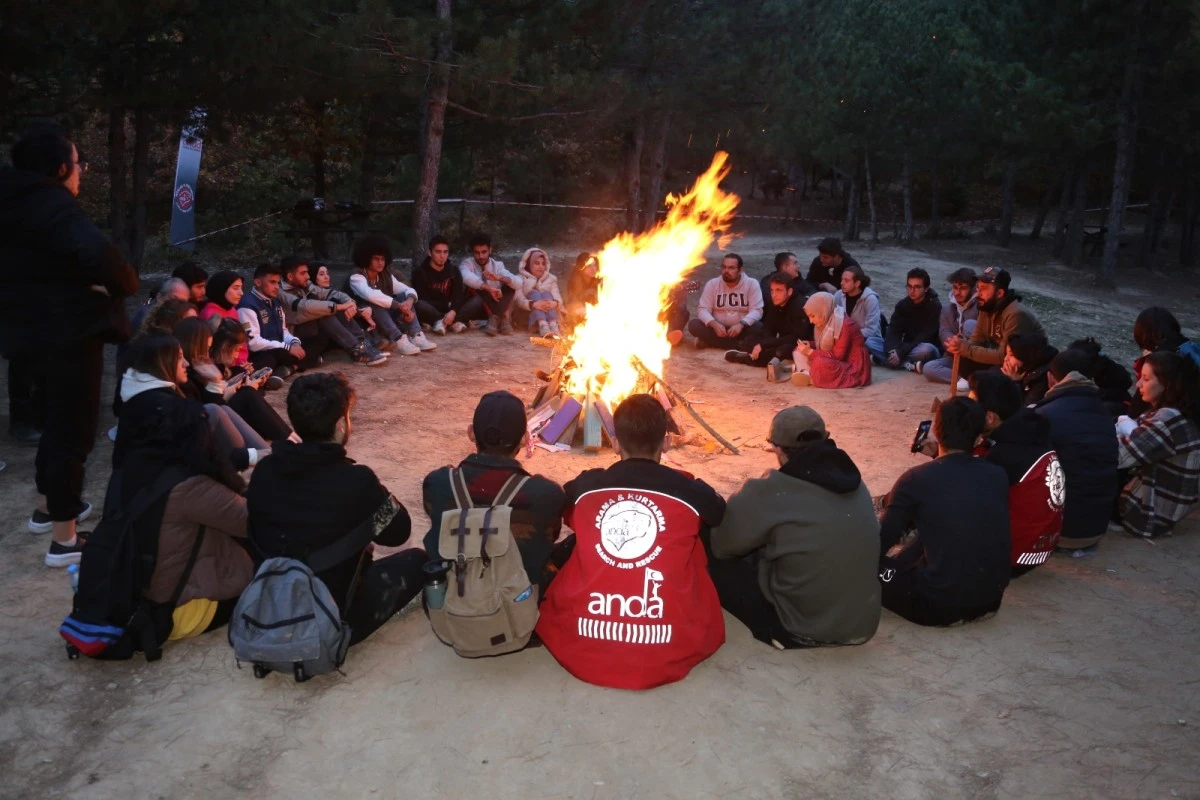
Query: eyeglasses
(82,165)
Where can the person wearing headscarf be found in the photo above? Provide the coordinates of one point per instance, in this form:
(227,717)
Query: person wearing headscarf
(837,357)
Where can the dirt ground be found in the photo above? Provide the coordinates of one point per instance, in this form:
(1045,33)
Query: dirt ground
(1085,684)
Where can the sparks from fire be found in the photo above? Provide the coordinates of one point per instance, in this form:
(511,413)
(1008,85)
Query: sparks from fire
(637,273)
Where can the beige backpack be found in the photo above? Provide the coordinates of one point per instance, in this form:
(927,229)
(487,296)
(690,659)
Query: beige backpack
(491,605)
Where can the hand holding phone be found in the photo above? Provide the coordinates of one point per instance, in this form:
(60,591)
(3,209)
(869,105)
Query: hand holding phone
(921,435)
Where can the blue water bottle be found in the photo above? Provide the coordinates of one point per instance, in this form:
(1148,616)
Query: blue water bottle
(73,577)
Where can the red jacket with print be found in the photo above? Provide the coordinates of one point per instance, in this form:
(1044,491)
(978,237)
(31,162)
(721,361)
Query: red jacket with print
(634,607)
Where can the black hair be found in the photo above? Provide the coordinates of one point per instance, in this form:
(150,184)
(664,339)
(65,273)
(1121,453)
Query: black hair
(316,402)
(781,259)
(917,272)
(190,273)
(1074,359)
(1088,345)
(1031,349)
(963,275)
(368,247)
(735,257)
(219,284)
(1156,327)
(1180,379)
(480,239)
(996,392)
(227,338)
(804,440)
(781,278)
(262,270)
(43,148)
(958,423)
(863,279)
(289,264)
(641,425)
(435,241)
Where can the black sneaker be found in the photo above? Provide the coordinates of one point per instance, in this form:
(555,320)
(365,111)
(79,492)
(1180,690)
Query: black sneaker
(60,555)
(40,522)
(24,434)
(738,357)
(367,356)
(282,372)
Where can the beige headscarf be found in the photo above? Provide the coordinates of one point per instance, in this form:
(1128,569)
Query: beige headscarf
(831,317)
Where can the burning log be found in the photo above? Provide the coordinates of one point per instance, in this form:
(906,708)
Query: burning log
(687,406)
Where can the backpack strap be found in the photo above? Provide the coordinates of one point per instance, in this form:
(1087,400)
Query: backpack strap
(141,618)
(462,494)
(343,549)
(510,489)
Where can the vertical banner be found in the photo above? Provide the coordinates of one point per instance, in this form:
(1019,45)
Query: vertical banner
(187,172)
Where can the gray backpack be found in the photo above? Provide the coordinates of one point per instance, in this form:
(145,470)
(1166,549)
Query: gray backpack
(287,621)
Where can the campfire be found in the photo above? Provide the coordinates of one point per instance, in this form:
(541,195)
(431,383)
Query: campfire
(621,347)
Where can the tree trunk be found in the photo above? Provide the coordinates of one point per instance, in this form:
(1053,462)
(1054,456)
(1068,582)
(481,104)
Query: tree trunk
(1064,202)
(432,130)
(1074,249)
(934,210)
(850,229)
(1006,210)
(1043,210)
(141,176)
(117,196)
(1122,171)
(871,198)
(1187,225)
(369,166)
(1156,201)
(906,232)
(655,170)
(635,138)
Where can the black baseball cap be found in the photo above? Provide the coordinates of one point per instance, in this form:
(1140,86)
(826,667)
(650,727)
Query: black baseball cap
(499,421)
(999,277)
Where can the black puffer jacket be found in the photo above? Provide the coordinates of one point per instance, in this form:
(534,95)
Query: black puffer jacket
(51,255)
(1082,433)
(913,324)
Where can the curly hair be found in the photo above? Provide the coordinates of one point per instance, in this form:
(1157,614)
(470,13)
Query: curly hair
(368,247)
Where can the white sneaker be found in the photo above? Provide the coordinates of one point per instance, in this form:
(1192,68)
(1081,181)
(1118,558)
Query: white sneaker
(963,386)
(458,327)
(420,341)
(439,328)
(543,327)
(406,348)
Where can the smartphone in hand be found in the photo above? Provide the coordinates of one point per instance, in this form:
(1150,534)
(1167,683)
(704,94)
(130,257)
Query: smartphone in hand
(921,435)
(265,372)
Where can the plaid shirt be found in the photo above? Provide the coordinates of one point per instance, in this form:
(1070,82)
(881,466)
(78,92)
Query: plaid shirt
(1164,454)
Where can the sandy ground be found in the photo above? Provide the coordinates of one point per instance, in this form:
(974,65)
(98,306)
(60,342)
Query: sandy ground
(1085,684)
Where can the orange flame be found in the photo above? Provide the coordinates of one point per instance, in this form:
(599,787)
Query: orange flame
(637,274)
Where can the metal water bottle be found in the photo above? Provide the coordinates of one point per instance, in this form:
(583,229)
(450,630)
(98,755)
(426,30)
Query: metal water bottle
(73,577)
(435,583)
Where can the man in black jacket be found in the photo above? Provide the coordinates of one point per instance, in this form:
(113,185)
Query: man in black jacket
(304,497)
(784,323)
(62,286)
(442,295)
(788,264)
(1082,432)
(825,271)
(956,567)
(912,335)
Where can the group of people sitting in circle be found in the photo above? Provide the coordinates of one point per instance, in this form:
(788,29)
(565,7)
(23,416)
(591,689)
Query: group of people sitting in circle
(633,563)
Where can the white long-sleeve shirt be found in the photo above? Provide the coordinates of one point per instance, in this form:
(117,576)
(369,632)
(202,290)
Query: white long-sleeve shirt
(249,319)
(472,274)
(730,305)
(377,297)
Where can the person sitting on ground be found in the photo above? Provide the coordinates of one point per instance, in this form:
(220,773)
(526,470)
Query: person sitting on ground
(322,277)
(1161,450)
(1018,440)
(538,293)
(164,315)
(1001,316)
(862,305)
(957,565)
(271,343)
(160,431)
(171,289)
(796,556)
(825,271)
(731,305)
(440,289)
(633,606)
(1156,330)
(196,278)
(583,288)
(373,283)
(322,317)
(229,339)
(958,318)
(1081,432)
(675,313)
(788,264)
(291,514)
(207,384)
(837,358)
(912,336)
(1111,379)
(491,285)
(224,292)
(784,324)
(498,432)
(1028,362)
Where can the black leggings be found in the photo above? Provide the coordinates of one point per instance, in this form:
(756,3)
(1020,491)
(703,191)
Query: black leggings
(254,408)
(387,586)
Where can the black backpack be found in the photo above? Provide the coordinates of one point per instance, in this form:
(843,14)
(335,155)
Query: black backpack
(110,618)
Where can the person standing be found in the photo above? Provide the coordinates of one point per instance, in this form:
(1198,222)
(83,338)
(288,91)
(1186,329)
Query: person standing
(62,291)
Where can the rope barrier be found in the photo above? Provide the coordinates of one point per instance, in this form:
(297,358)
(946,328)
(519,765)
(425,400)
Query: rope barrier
(226,228)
